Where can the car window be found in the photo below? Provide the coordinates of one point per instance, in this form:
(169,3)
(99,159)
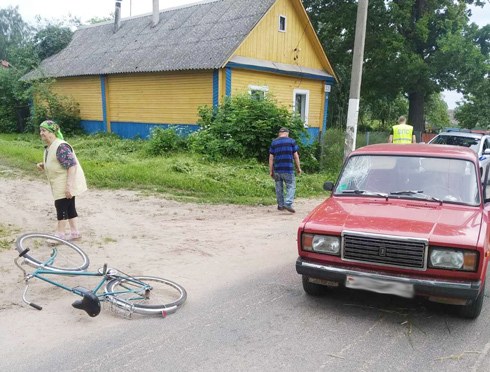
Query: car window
(486,145)
(472,143)
(449,180)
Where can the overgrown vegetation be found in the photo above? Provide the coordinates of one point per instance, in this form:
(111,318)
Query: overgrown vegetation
(49,105)
(110,162)
(333,147)
(22,47)
(242,128)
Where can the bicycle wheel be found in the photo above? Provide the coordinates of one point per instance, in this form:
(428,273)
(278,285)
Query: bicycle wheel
(147,295)
(69,257)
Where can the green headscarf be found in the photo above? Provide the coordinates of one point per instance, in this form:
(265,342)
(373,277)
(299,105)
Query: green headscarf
(52,127)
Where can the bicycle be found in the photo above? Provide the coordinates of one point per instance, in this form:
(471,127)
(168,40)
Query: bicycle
(51,255)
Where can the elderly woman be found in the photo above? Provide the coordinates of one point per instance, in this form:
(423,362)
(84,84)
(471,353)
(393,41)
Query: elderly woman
(65,176)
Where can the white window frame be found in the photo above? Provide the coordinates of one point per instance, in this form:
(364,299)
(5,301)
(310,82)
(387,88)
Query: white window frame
(307,103)
(285,23)
(261,88)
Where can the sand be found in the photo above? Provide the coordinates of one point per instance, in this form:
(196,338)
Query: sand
(199,246)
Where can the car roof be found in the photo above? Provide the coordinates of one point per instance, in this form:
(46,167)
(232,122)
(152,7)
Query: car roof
(419,149)
(462,134)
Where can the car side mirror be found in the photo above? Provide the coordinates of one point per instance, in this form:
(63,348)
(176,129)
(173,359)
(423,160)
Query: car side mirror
(328,186)
(486,152)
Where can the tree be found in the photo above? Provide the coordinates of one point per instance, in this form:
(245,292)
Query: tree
(51,40)
(475,109)
(54,35)
(413,47)
(437,112)
(14,32)
(384,111)
(95,20)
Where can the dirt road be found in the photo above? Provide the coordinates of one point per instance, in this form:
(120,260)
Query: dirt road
(200,246)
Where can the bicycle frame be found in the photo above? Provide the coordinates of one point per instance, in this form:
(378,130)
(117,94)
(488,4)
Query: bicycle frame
(105,274)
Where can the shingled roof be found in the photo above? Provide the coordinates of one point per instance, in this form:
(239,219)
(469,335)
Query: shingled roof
(199,36)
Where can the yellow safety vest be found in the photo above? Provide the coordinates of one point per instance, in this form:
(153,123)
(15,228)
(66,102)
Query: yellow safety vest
(402,133)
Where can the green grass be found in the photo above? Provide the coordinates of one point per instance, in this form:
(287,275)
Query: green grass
(113,163)
(334,140)
(6,237)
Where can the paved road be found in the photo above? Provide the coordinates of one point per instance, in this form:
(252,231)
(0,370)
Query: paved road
(268,323)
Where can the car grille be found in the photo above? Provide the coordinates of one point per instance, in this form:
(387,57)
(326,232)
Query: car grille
(384,250)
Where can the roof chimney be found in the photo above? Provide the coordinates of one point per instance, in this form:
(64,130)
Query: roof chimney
(117,16)
(156,13)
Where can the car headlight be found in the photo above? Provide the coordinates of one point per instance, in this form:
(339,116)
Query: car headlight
(453,259)
(321,244)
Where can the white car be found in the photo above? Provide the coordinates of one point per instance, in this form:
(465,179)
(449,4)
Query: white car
(478,142)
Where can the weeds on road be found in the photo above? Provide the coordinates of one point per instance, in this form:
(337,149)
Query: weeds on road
(6,238)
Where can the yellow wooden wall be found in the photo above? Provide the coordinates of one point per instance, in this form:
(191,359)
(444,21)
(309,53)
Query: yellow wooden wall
(282,87)
(266,42)
(165,97)
(85,90)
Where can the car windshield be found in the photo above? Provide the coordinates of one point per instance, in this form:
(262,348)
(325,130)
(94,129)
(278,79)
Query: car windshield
(413,177)
(472,143)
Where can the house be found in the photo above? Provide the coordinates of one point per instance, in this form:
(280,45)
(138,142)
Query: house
(133,74)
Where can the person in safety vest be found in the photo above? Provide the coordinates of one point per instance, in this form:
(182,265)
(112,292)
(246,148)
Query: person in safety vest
(402,133)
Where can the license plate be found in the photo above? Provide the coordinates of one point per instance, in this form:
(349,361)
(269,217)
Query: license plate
(380,286)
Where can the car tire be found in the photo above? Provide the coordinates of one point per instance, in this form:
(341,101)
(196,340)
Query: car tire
(313,289)
(473,309)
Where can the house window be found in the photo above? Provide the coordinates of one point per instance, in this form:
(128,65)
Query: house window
(301,103)
(282,23)
(258,91)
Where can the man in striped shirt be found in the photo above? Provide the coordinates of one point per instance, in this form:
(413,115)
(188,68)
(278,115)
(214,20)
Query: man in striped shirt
(281,154)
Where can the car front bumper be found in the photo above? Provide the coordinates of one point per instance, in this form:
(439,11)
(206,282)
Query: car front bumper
(422,287)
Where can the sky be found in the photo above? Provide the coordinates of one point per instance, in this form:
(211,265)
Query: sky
(86,9)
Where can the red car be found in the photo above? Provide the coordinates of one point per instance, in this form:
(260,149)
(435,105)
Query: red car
(407,220)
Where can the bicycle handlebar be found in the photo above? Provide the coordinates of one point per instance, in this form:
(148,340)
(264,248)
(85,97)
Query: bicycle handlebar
(37,307)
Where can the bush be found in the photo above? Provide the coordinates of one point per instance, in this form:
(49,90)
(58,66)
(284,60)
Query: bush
(163,141)
(12,93)
(333,150)
(309,155)
(243,127)
(7,124)
(211,147)
(51,106)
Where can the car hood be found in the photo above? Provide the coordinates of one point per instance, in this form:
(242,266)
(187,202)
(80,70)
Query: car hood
(446,224)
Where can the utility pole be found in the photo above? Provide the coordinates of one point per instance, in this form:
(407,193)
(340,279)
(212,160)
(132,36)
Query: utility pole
(356,78)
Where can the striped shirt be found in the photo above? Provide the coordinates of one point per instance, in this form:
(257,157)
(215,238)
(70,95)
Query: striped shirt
(283,149)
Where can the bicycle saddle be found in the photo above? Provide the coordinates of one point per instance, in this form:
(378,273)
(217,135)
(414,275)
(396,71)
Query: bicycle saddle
(89,303)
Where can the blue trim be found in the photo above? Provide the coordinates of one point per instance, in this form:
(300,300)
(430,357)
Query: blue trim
(325,111)
(228,82)
(104,103)
(143,130)
(314,133)
(281,72)
(92,126)
(215,88)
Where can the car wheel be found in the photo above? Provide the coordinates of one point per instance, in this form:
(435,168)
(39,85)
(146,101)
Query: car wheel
(313,289)
(473,309)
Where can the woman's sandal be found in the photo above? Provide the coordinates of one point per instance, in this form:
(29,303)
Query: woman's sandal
(75,235)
